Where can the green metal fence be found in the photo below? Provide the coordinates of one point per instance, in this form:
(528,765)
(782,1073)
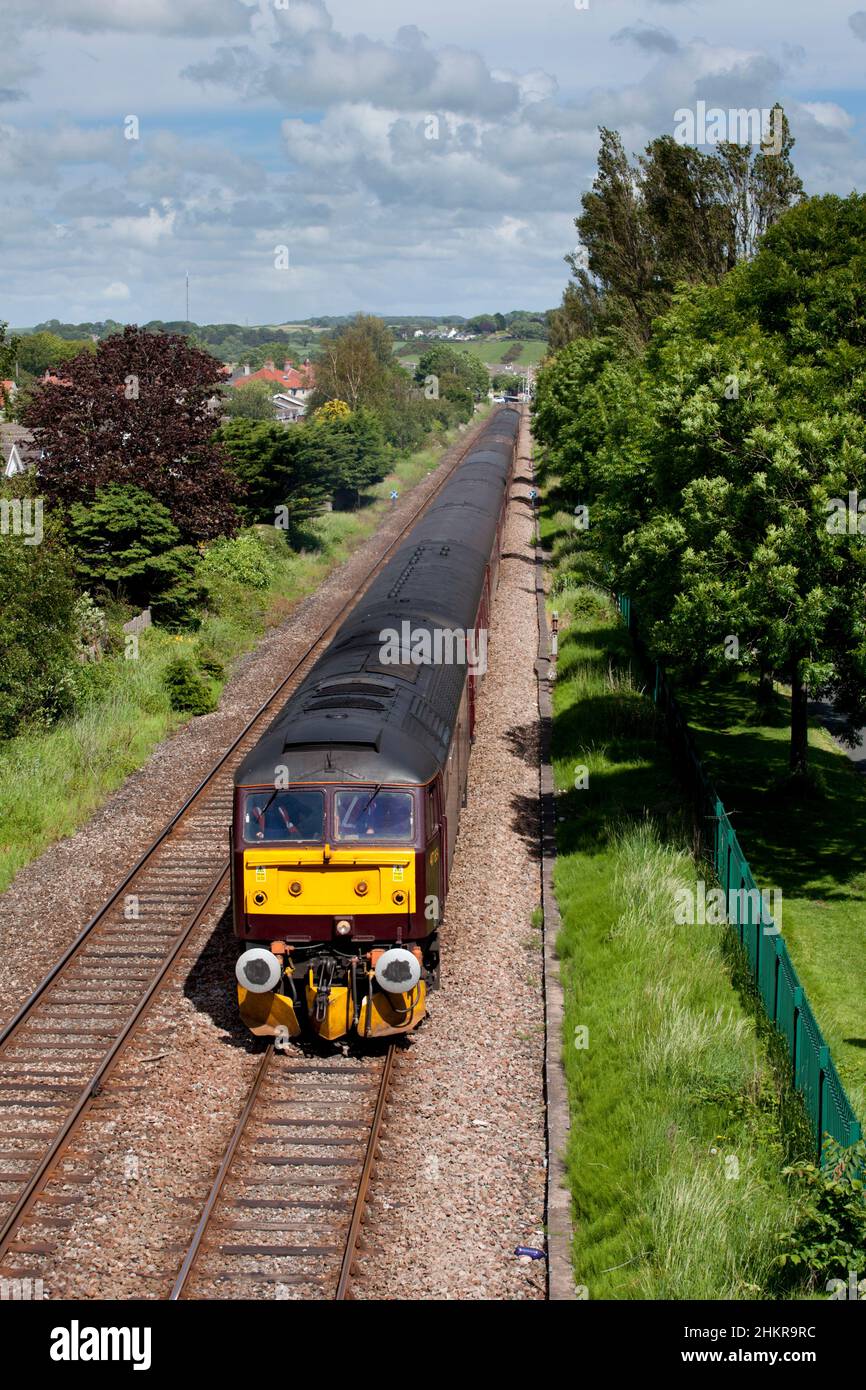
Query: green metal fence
(815,1075)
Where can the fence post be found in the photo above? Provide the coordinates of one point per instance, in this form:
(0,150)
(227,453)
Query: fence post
(823,1064)
(780,946)
(798,999)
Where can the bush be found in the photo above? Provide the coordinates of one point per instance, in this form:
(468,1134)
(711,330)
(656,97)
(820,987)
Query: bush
(38,629)
(188,693)
(830,1237)
(125,541)
(210,664)
(181,594)
(243,560)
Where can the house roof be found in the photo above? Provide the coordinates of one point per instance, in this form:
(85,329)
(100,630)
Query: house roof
(18,438)
(290,379)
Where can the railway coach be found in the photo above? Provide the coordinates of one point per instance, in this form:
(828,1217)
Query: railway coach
(346,812)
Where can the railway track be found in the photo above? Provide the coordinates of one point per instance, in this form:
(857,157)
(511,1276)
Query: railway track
(58,1050)
(284,1213)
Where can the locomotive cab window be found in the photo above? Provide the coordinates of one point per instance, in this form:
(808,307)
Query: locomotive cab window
(367,813)
(290,815)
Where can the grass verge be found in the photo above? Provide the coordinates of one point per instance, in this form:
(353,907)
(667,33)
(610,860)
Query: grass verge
(678,1133)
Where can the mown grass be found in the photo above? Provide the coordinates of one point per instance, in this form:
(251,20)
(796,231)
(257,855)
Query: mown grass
(52,780)
(813,851)
(677,1137)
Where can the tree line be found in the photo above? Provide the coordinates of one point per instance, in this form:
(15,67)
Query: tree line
(143,474)
(705,415)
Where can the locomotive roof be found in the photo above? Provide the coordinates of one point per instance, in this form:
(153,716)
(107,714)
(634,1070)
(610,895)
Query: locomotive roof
(358,717)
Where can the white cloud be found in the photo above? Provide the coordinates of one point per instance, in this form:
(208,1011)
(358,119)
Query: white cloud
(116,290)
(829,115)
(142,231)
(137,16)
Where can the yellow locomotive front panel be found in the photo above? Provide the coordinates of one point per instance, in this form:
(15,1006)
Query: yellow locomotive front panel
(338,882)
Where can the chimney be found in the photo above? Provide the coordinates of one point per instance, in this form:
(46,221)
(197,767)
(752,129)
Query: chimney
(246,369)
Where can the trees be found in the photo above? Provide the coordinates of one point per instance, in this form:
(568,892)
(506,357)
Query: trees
(253,400)
(38,631)
(137,411)
(276,467)
(37,352)
(8,350)
(715,465)
(125,541)
(355,363)
(346,452)
(444,361)
(677,216)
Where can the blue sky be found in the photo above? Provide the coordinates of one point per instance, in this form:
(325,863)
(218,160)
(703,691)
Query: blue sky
(307,124)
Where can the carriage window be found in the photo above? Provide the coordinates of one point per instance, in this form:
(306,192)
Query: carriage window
(430,803)
(292,816)
(366,813)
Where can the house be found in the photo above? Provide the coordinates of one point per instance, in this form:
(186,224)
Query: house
(299,382)
(289,407)
(7,394)
(18,453)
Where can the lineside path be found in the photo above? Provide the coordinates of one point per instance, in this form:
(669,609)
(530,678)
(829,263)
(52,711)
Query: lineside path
(461,1181)
(54,897)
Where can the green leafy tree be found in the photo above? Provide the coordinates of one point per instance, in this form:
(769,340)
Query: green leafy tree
(40,352)
(347,453)
(277,466)
(8,352)
(355,364)
(38,629)
(714,465)
(251,401)
(126,543)
(677,216)
(442,360)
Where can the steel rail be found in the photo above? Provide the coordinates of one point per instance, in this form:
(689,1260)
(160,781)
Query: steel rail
(221,1175)
(344,1281)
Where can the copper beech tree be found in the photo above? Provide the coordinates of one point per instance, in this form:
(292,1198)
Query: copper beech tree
(139,411)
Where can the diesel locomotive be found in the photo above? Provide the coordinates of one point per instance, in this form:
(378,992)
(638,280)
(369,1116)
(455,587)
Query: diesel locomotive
(346,812)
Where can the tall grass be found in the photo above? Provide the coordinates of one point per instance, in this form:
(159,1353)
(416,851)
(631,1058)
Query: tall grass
(676,1144)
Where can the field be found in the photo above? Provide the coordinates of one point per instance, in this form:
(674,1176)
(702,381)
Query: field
(489,350)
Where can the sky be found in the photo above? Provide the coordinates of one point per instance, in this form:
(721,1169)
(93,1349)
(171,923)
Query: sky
(305,157)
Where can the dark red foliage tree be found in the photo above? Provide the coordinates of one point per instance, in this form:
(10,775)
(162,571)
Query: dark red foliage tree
(138,411)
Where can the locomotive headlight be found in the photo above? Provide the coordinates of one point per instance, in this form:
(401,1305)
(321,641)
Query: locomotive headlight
(344,928)
(258,970)
(397,970)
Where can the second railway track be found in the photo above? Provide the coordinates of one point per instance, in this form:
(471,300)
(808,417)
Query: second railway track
(58,1049)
